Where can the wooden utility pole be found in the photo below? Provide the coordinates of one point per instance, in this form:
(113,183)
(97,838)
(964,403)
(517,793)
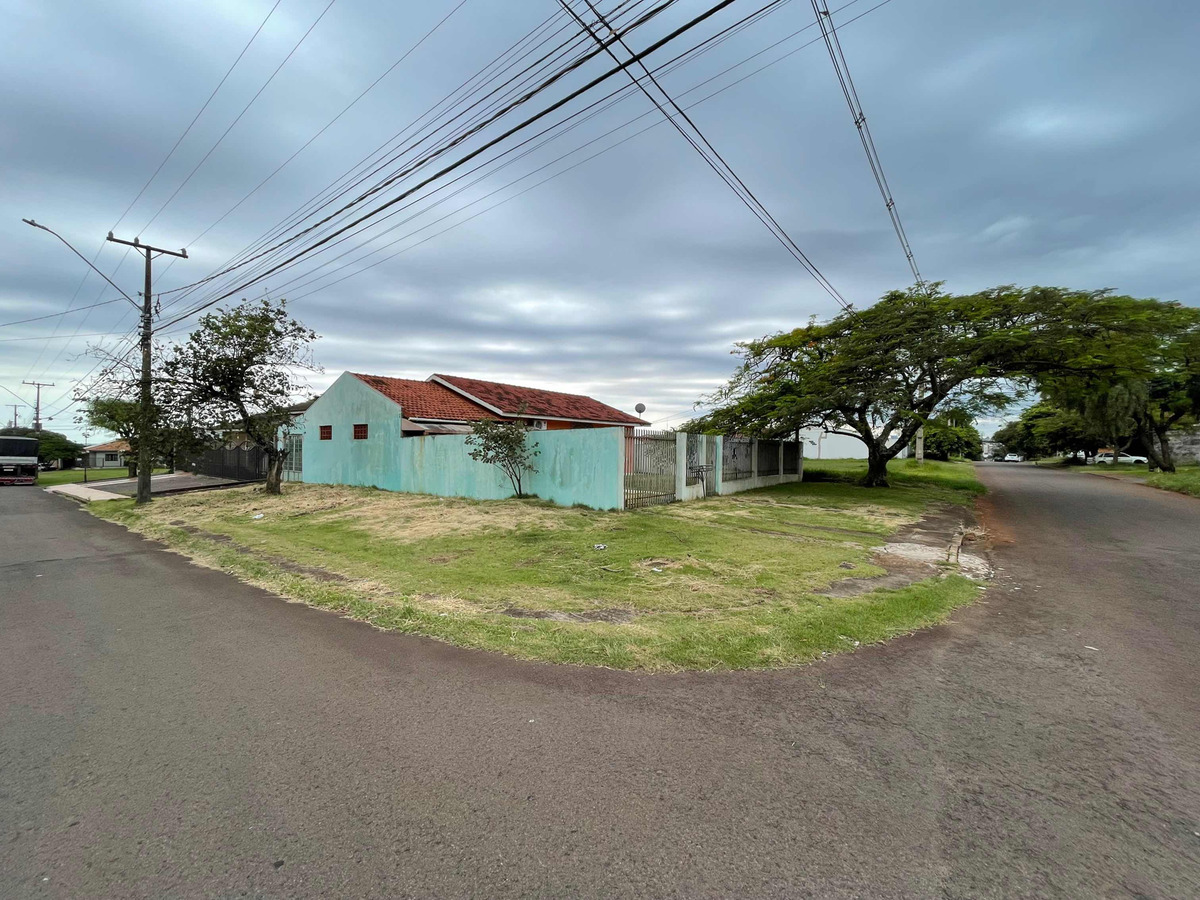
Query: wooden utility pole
(146,399)
(37,404)
(15,407)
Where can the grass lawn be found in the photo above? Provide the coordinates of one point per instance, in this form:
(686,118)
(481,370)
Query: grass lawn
(71,476)
(726,582)
(1184,480)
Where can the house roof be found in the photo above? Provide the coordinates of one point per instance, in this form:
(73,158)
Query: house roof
(426,399)
(119,446)
(513,400)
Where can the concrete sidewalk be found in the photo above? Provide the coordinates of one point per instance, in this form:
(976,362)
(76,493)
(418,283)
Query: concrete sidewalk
(122,488)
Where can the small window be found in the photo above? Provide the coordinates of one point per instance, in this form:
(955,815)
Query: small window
(327,432)
(110,457)
(360,432)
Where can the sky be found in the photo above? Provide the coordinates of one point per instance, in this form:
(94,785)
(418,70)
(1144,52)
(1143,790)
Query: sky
(1025,142)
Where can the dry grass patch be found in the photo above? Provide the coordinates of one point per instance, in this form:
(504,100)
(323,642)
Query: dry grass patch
(724,582)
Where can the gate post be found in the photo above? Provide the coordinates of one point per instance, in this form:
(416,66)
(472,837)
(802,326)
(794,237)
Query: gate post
(680,465)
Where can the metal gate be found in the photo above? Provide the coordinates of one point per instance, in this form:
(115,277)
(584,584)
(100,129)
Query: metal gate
(710,467)
(649,468)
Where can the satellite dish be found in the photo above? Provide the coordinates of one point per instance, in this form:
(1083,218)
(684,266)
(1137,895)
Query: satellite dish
(640,408)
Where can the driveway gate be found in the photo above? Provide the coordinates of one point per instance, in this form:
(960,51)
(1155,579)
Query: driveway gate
(649,468)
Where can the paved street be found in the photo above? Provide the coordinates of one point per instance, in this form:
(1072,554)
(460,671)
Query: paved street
(168,732)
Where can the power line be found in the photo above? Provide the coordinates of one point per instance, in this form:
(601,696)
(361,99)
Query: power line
(238,118)
(665,67)
(327,196)
(842,69)
(325,127)
(170,153)
(469,156)
(668,66)
(63,313)
(708,152)
(675,61)
(196,117)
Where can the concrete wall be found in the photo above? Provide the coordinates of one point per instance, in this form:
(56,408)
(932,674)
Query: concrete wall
(756,480)
(579,466)
(1185,445)
(819,444)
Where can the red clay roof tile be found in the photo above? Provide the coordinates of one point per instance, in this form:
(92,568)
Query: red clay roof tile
(512,400)
(425,399)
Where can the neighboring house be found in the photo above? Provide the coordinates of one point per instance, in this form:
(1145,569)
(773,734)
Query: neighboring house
(233,437)
(113,455)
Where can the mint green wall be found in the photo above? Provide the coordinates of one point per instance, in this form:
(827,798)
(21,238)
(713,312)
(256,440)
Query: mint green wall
(344,460)
(582,466)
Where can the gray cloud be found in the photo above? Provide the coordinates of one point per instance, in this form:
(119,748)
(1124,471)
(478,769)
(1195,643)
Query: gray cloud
(1025,142)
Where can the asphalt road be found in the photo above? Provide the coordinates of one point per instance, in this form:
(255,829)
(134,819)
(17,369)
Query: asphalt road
(168,732)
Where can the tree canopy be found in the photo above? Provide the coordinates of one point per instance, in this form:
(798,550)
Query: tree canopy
(240,371)
(880,373)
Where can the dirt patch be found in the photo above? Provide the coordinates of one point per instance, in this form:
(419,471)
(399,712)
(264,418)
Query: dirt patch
(280,562)
(928,548)
(611,616)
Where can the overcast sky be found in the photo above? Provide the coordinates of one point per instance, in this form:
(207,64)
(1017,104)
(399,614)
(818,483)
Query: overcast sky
(1025,141)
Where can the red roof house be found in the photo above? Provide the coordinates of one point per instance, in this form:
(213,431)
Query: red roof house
(449,403)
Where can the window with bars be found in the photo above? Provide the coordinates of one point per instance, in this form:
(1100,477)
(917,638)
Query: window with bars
(360,432)
(326,432)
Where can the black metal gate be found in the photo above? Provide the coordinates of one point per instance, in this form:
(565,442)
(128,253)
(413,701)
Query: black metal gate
(238,463)
(649,468)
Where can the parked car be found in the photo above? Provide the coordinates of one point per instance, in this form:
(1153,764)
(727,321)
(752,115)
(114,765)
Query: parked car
(1014,457)
(1107,457)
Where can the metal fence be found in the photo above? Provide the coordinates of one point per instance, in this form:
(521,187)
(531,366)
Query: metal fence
(736,463)
(768,458)
(791,458)
(649,468)
(695,466)
(238,463)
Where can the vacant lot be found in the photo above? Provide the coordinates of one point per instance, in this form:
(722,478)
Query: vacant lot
(728,582)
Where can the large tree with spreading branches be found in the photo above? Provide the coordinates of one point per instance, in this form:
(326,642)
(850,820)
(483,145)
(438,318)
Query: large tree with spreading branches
(879,374)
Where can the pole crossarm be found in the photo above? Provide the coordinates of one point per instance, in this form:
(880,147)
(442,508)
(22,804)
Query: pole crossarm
(137,244)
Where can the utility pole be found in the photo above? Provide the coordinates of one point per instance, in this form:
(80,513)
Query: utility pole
(146,401)
(37,404)
(15,406)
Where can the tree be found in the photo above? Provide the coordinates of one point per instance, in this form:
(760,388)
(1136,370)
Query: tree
(237,372)
(52,446)
(1155,391)
(502,443)
(880,373)
(122,417)
(1044,429)
(952,434)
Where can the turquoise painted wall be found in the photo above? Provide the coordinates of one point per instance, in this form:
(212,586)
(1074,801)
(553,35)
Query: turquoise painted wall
(582,466)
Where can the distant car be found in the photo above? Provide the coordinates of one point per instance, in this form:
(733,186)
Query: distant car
(1014,457)
(1127,458)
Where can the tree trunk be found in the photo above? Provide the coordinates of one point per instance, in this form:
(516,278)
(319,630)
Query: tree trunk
(131,464)
(1167,460)
(876,467)
(274,470)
